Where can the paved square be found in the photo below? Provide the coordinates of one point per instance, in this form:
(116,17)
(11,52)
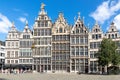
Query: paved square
(45,76)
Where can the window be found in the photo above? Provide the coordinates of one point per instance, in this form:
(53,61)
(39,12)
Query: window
(96,36)
(77,30)
(12,61)
(8,53)
(73,51)
(16,53)
(39,23)
(42,23)
(42,17)
(112,36)
(76,25)
(12,43)
(99,35)
(81,51)
(77,51)
(81,40)
(109,36)
(16,61)
(16,43)
(77,40)
(20,60)
(93,37)
(81,30)
(115,35)
(46,24)
(86,40)
(8,43)
(97,30)
(73,41)
(12,54)
(42,32)
(112,29)
(26,36)
(60,30)
(35,32)
(8,61)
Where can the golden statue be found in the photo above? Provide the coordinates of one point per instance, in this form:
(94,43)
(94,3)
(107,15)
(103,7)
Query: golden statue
(61,16)
(42,5)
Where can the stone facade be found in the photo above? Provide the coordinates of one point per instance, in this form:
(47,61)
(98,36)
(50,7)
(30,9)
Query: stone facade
(42,42)
(79,47)
(58,47)
(61,45)
(25,51)
(12,47)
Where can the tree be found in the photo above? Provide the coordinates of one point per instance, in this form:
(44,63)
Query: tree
(107,53)
(116,59)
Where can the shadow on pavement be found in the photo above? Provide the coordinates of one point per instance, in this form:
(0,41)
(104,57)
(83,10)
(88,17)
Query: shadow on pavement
(3,79)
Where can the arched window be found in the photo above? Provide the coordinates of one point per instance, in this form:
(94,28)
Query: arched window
(96,36)
(115,35)
(112,36)
(96,30)
(60,30)
(109,36)
(76,25)
(112,29)
(79,25)
(77,30)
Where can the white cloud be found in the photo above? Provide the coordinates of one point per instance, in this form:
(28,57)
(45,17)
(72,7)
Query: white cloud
(4,23)
(22,19)
(106,10)
(117,21)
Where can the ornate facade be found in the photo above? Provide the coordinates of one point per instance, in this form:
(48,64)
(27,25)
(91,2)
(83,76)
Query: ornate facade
(25,51)
(58,47)
(42,42)
(12,47)
(79,47)
(96,36)
(61,45)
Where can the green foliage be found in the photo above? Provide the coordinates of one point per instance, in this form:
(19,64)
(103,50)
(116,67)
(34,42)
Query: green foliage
(116,59)
(107,53)
(113,70)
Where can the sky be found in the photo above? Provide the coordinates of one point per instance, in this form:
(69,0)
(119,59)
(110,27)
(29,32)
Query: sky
(18,11)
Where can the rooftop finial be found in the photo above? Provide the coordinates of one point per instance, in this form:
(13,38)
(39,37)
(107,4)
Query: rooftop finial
(26,22)
(96,22)
(42,6)
(112,23)
(74,18)
(79,15)
(61,16)
(13,24)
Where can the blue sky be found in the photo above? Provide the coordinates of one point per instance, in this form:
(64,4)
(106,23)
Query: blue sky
(104,11)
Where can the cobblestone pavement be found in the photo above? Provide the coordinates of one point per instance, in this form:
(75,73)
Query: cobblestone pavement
(45,76)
